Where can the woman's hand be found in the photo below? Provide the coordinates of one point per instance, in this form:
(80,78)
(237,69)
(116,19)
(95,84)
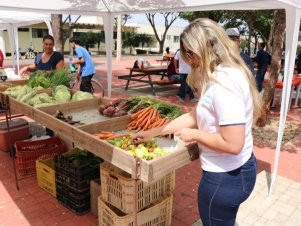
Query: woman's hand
(143,136)
(187,134)
(23,71)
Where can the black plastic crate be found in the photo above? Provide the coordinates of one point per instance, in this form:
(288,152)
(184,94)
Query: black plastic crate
(78,165)
(78,198)
(89,172)
(78,209)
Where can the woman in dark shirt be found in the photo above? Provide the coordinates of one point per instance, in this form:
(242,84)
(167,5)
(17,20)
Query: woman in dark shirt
(48,60)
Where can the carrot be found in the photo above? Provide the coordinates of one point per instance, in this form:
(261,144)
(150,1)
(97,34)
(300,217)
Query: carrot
(122,135)
(144,111)
(106,132)
(104,136)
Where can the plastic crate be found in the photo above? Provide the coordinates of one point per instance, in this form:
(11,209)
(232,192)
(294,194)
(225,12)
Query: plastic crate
(76,177)
(27,152)
(117,188)
(76,197)
(46,175)
(78,209)
(159,213)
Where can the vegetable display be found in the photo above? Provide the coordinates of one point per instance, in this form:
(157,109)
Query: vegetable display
(39,97)
(49,79)
(148,150)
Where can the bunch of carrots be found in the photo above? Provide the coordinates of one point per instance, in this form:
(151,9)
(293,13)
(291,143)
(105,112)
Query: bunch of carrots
(146,119)
(108,135)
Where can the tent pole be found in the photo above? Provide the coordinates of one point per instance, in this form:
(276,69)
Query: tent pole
(292,31)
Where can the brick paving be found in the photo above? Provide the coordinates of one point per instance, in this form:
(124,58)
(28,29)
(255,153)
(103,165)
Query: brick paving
(32,206)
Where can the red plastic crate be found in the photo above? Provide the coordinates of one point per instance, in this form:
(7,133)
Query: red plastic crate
(27,152)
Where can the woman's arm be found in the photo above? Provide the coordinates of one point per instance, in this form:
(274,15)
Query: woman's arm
(230,139)
(60,65)
(187,120)
(29,68)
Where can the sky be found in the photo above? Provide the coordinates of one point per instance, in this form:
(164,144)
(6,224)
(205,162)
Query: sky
(141,18)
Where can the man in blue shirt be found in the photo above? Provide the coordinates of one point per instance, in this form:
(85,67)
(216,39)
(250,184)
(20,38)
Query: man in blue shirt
(263,59)
(87,69)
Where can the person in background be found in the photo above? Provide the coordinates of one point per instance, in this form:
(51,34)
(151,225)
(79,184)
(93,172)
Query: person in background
(87,69)
(182,70)
(48,60)
(221,123)
(263,59)
(1,58)
(234,35)
(166,55)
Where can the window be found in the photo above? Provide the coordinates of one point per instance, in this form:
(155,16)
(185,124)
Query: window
(23,29)
(39,33)
(176,39)
(168,37)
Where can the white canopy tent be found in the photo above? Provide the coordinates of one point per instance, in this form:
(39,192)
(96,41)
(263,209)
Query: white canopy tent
(11,20)
(110,8)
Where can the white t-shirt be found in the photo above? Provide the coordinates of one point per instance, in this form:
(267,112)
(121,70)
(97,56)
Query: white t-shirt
(226,106)
(183,67)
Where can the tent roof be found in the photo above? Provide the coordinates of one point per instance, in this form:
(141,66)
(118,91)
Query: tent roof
(19,19)
(101,7)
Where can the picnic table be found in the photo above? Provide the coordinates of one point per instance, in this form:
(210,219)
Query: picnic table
(145,76)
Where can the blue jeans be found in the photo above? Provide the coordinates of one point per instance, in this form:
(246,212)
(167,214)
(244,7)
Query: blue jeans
(184,87)
(220,194)
(260,78)
(86,85)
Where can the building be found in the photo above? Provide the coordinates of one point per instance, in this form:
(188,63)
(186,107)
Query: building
(33,35)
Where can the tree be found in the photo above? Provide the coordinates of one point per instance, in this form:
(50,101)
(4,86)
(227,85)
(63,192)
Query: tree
(99,38)
(132,39)
(169,18)
(255,23)
(57,28)
(277,37)
(87,39)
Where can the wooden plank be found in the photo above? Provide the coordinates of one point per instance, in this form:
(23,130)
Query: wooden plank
(21,108)
(113,124)
(159,167)
(101,148)
(75,106)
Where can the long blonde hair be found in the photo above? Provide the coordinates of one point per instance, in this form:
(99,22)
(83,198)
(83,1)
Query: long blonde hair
(211,45)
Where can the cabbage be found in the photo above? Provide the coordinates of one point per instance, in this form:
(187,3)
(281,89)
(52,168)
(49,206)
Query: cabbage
(80,95)
(61,94)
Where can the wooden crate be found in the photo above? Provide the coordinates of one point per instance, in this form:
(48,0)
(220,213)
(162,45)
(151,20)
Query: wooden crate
(85,111)
(147,171)
(117,188)
(159,213)
(8,84)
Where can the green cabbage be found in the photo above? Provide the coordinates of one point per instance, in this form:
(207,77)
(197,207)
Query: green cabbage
(80,95)
(62,94)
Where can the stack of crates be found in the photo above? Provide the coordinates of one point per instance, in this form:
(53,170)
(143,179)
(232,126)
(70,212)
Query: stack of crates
(115,205)
(73,172)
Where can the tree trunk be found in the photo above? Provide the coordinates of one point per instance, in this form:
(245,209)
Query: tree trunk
(57,28)
(278,29)
(161,44)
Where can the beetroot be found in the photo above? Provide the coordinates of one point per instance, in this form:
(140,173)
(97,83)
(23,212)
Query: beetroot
(101,108)
(110,111)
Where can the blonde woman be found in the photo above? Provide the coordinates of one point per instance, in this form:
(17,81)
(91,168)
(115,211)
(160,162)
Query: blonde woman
(221,123)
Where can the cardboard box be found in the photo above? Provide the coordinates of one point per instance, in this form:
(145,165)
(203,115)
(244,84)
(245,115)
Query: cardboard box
(94,193)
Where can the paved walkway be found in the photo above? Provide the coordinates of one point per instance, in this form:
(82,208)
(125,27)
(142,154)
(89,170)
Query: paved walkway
(282,208)
(32,206)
